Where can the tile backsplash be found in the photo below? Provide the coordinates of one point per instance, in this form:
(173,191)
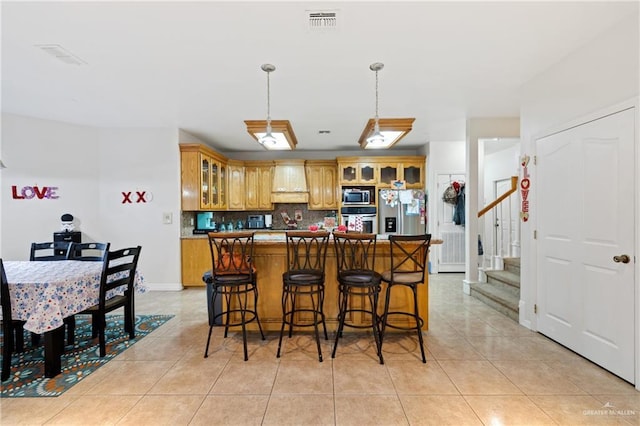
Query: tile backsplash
(299,213)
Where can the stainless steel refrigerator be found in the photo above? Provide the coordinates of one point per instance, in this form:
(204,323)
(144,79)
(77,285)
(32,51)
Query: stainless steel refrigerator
(402,212)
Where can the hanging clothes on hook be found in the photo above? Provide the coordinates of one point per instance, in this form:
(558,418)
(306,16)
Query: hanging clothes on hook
(450,195)
(458,210)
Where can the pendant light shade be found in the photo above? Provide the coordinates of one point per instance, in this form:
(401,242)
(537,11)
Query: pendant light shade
(267,138)
(272,135)
(383,133)
(377,137)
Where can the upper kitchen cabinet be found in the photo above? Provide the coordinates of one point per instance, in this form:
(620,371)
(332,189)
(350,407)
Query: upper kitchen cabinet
(408,169)
(257,181)
(236,196)
(413,174)
(203,178)
(357,171)
(322,178)
(289,182)
(382,171)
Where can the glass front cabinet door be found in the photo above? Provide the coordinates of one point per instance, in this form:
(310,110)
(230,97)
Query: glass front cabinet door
(388,173)
(348,173)
(205,181)
(222,200)
(413,175)
(212,183)
(368,174)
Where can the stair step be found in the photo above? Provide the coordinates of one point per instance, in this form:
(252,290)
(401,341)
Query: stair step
(507,279)
(503,301)
(512,264)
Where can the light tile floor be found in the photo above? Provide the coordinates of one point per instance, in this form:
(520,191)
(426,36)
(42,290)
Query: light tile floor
(482,368)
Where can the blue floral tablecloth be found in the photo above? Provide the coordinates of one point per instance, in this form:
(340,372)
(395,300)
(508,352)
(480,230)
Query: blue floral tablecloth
(44,293)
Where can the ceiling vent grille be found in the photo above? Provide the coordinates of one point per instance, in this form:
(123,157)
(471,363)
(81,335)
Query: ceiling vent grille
(61,54)
(322,20)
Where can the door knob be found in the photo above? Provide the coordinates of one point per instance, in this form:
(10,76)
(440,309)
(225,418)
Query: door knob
(622,258)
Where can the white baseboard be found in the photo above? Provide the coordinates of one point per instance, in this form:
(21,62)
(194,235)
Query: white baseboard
(164,286)
(466,287)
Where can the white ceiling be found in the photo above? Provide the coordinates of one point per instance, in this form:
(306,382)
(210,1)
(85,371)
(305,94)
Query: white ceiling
(196,65)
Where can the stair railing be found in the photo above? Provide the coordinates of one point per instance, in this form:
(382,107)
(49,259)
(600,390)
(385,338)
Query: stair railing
(514,188)
(489,251)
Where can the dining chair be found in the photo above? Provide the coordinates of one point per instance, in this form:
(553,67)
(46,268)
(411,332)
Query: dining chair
(89,252)
(357,279)
(47,252)
(54,250)
(12,330)
(233,281)
(303,284)
(408,266)
(118,273)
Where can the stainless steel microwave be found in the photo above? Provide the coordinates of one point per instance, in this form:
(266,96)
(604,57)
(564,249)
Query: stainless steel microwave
(353,196)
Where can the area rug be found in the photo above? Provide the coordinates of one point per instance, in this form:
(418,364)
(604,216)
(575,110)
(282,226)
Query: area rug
(27,368)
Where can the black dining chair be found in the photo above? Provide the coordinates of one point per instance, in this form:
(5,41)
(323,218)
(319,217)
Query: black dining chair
(86,252)
(303,284)
(47,251)
(89,252)
(118,272)
(358,284)
(12,330)
(408,267)
(233,283)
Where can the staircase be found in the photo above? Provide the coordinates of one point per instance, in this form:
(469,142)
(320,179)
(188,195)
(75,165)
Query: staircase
(502,289)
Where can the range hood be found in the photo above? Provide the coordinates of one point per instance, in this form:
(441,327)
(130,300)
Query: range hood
(289,182)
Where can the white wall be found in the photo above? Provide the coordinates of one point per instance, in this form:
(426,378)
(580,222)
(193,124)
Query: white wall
(443,157)
(603,73)
(91,168)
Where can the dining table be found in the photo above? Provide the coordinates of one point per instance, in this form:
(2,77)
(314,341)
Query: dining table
(44,293)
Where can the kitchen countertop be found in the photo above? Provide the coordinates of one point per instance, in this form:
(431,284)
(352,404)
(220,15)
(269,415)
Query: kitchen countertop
(278,235)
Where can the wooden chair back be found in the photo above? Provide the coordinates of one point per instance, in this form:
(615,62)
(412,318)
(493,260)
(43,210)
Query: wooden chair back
(50,251)
(89,252)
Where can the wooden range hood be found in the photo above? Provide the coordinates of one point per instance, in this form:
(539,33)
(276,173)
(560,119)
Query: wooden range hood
(289,182)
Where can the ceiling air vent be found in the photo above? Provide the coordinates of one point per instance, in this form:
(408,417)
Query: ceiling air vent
(61,54)
(322,20)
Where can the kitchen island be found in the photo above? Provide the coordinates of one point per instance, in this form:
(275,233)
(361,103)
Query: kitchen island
(270,255)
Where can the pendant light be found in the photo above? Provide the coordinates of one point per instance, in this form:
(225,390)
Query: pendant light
(279,134)
(383,133)
(268,139)
(376,138)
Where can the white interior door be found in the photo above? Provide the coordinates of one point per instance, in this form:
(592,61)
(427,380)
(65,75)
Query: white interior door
(451,253)
(585,218)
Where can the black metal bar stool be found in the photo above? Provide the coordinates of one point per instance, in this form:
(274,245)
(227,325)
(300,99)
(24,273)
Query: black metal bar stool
(233,278)
(303,284)
(355,257)
(408,266)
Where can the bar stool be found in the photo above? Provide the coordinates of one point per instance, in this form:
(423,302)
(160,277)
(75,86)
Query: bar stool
(303,284)
(355,257)
(408,265)
(233,278)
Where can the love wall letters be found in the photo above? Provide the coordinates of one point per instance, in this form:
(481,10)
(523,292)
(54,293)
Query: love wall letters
(30,192)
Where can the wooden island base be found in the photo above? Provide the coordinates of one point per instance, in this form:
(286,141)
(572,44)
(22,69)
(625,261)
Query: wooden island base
(270,260)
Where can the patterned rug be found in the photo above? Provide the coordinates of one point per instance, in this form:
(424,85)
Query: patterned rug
(27,368)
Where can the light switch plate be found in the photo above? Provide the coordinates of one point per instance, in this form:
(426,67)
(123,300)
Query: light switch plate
(167,218)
